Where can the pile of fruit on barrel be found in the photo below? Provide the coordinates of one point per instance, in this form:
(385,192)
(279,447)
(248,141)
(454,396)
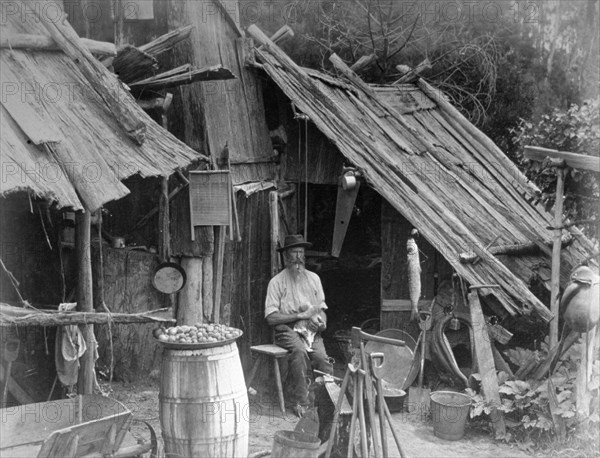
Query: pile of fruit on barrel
(199,333)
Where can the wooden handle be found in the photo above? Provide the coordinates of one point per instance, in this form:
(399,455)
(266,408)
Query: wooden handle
(358,335)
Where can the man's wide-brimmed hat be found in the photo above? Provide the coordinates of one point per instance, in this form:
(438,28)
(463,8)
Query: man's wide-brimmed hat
(293,241)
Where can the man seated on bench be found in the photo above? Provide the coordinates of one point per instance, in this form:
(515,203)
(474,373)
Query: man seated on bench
(294,307)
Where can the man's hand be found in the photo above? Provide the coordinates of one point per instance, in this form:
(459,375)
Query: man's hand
(310,312)
(316,324)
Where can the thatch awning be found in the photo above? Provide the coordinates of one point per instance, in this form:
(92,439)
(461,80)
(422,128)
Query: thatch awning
(60,141)
(446,178)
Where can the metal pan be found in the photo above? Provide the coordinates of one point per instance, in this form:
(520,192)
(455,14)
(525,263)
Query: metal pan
(169,277)
(396,372)
(195,346)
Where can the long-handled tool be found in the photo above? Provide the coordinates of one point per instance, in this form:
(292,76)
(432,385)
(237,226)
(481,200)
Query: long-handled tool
(388,415)
(384,410)
(376,361)
(364,378)
(353,419)
(358,334)
(370,403)
(364,445)
(419,396)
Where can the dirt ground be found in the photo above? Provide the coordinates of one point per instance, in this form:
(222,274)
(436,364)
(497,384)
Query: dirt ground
(416,436)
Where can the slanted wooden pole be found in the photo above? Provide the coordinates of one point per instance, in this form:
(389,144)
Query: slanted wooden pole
(104,83)
(414,73)
(485,363)
(167,41)
(363,62)
(556,247)
(282,34)
(85,299)
(46,43)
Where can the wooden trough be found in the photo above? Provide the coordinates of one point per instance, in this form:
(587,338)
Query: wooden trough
(85,426)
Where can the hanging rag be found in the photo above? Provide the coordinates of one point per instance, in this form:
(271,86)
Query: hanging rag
(70,346)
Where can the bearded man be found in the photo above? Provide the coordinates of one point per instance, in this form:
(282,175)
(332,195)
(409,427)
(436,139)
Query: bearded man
(295,302)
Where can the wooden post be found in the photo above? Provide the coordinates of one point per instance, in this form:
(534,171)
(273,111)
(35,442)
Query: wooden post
(560,160)
(556,247)
(207,287)
(164,236)
(274,211)
(85,300)
(218,258)
(584,372)
(189,310)
(485,362)
(98,266)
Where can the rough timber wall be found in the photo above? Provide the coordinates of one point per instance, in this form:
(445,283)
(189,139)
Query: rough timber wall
(246,274)
(212,116)
(219,113)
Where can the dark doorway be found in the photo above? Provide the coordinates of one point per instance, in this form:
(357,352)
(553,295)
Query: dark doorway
(352,281)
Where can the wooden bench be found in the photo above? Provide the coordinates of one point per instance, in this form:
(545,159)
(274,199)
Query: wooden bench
(274,352)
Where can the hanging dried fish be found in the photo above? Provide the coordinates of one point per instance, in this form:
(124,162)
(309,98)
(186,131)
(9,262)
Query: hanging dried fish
(414,273)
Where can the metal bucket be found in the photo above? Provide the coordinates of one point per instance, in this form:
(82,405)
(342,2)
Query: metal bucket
(290,444)
(449,411)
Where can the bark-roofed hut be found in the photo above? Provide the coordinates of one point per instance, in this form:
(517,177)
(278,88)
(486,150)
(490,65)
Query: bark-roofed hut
(444,175)
(61,139)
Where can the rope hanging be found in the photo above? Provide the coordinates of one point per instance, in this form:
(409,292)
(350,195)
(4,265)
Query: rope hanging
(306,178)
(302,117)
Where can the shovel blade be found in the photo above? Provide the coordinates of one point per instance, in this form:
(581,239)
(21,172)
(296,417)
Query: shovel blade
(419,401)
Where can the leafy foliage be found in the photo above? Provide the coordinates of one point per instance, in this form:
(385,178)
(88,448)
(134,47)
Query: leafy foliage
(574,130)
(525,403)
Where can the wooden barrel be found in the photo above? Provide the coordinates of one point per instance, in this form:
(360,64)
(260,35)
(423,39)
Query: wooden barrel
(203,403)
